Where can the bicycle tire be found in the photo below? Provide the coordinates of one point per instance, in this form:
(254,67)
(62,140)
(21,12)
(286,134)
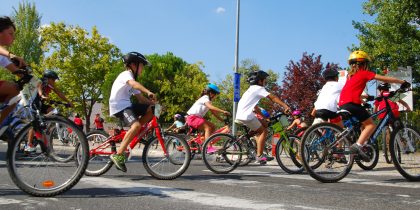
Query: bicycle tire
(250,148)
(373,153)
(155,161)
(401,145)
(57,142)
(103,162)
(316,140)
(385,147)
(227,154)
(287,158)
(49,176)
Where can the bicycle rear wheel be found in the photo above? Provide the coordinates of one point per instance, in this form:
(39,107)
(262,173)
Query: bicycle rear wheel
(405,152)
(372,150)
(170,165)
(385,145)
(287,154)
(99,163)
(222,153)
(324,162)
(43,173)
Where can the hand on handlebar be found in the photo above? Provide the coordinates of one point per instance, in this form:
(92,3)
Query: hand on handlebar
(18,61)
(405,85)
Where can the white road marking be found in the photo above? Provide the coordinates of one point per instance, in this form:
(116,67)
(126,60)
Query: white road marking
(206,199)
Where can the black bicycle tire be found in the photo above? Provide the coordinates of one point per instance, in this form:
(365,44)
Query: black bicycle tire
(293,157)
(56,191)
(375,161)
(109,164)
(208,165)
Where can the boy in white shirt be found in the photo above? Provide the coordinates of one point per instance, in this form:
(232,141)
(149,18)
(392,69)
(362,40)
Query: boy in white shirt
(248,103)
(120,106)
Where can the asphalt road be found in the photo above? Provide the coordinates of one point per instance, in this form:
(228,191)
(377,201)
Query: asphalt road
(251,187)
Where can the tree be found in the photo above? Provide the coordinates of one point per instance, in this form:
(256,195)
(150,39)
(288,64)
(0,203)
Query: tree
(27,42)
(393,39)
(82,60)
(301,82)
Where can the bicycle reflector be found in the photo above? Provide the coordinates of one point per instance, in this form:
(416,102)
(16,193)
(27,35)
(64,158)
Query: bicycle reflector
(48,183)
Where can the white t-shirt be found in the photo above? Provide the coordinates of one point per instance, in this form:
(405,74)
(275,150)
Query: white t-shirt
(199,108)
(329,95)
(4,61)
(249,100)
(121,93)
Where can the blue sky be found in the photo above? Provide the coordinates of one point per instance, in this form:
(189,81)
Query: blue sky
(272,32)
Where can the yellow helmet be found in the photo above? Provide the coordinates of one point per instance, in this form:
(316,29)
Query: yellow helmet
(359,56)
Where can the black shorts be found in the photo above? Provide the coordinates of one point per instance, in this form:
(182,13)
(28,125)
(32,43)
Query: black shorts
(325,114)
(131,114)
(357,111)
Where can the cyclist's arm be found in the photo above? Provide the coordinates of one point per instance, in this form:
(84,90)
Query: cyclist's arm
(61,95)
(388,79)
(216,114)
(295,122)
(313,112)
(170,127)
(277,100)
(402,102)
(10,55)
(40,92)
(213,108)
(136,85)
(143,100)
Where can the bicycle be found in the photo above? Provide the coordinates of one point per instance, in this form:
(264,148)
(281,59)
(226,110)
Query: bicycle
(40,173)
(328,144)
(157,157)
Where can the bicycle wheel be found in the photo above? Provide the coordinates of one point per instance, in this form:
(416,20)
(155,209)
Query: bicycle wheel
(372,150)
(405,152)
(323,161)
(59,138)
(170,165)
(385,145)
(287,154)
(99,161)
(39,173)
(222,153)
(249,147)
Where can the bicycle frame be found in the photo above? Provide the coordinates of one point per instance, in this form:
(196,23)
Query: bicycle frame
(197,139)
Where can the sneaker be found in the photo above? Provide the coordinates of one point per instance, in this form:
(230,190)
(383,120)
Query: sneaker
(262,160)
(30,148)
(356,149)
(269,158)
(211,149)
(119,161)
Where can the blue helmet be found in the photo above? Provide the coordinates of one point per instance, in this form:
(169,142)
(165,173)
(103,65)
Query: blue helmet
(213,88)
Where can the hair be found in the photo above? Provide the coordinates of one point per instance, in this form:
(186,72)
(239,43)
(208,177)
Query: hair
(5,23)
(331,78)
(355,67)
(207,91)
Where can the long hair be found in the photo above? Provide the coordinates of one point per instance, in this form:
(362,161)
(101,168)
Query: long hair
(356,67)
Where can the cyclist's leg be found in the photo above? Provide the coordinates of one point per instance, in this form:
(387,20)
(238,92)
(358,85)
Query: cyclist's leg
(208,128)
(8,90)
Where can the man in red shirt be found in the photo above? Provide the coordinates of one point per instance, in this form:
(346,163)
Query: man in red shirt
(78,121)
(99,122)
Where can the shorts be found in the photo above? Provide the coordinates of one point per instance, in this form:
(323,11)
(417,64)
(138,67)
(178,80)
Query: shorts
(326,115)
(253,124)
(131,114)
(195,121)
(43,108)
(357,111)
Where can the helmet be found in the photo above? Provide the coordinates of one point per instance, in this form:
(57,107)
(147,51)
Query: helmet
(296,113)
(359,56)
(178,116)
(135,57)
(213,87)
(256,76)
(330,73)
(265,113)
(50,74)
(384,86)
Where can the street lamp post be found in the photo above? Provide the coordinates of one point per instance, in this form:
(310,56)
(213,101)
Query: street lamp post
(237,76)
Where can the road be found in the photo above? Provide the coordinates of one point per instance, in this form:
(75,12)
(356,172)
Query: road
(251,187)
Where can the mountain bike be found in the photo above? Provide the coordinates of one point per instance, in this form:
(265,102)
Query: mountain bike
(41,173)
(158,159)
(325,146)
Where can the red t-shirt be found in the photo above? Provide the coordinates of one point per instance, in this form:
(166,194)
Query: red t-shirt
(78,121)
(354,87)
(381,105)
(99,123)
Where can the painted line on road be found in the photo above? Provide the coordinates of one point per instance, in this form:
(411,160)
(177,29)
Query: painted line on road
(401,184)
(206,199)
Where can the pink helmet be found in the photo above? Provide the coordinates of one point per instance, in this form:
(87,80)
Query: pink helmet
(296,112)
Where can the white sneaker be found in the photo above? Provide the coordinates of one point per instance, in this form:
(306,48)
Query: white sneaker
(30,149)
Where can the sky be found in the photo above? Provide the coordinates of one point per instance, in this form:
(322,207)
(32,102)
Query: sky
(272,32)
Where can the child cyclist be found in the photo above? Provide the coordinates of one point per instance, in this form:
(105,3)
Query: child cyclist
(248,104)
(133,115)
(195,118)
(350,100)
(178,126)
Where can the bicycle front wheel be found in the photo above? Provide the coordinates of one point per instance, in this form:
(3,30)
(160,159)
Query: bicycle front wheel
(99,161)
(170,165)
(325,159)
(287,154)
(43,172)
(405,152)
(222,153)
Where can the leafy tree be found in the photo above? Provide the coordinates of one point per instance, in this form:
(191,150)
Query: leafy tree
(27,42)
(301,82)
(393,39)
(82,60)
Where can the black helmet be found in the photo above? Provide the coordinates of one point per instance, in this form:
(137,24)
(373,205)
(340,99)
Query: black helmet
(384,86)
(135,57)
(50,74)
(256,76)
(330,73)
